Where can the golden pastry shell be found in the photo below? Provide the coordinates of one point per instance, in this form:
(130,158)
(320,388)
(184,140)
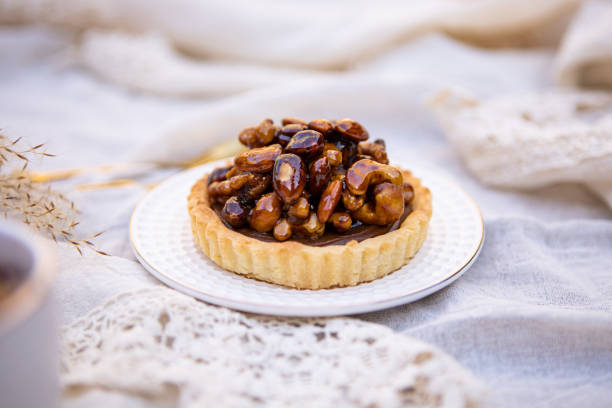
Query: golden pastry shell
(297,265)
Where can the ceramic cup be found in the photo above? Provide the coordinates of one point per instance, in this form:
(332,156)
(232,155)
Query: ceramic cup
(28,349)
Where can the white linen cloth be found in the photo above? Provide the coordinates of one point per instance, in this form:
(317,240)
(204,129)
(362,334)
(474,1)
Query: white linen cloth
(531,318)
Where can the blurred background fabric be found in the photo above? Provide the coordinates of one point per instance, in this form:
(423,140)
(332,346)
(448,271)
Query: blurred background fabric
(189,47)
(468,87)
(319,34)
(585,57)
(215,48)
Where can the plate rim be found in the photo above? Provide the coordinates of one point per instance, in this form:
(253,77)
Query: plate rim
(307,311)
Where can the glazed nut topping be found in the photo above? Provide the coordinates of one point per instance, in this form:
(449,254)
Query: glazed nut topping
(303,177)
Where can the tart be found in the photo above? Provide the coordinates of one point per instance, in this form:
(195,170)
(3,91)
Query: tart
(310,205)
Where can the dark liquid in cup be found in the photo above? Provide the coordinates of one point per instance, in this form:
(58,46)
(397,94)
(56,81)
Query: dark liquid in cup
(16,261)
(9,279)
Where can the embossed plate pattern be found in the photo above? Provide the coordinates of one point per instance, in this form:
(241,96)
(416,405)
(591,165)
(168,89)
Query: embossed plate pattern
(160,233)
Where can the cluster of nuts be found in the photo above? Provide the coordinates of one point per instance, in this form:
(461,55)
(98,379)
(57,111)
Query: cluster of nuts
(299,177)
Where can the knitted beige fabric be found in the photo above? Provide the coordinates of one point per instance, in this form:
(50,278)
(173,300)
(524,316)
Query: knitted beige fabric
(532,140)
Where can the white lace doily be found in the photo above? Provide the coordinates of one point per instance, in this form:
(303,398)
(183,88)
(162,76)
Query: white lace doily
(164,346)
(161,236)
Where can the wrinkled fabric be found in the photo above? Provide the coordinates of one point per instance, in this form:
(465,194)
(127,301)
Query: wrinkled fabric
(585,55)
(315,34)
(531,317)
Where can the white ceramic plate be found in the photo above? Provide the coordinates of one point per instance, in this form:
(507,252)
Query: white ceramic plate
(161,237)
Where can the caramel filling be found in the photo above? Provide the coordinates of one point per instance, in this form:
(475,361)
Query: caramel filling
(358,231)
(299,178)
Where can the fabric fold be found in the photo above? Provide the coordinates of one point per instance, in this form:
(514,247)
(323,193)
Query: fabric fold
(585,55)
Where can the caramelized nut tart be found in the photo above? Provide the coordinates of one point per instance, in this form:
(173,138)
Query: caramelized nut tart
(311,205)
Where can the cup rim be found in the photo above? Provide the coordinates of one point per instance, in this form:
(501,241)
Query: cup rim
(26,299)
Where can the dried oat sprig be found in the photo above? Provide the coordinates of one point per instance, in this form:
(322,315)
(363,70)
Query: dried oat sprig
(11,149)
(37,204)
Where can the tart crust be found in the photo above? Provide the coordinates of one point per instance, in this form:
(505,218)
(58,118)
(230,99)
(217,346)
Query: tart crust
(297,265)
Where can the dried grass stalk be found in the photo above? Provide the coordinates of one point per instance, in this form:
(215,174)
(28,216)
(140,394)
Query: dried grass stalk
(37,204)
